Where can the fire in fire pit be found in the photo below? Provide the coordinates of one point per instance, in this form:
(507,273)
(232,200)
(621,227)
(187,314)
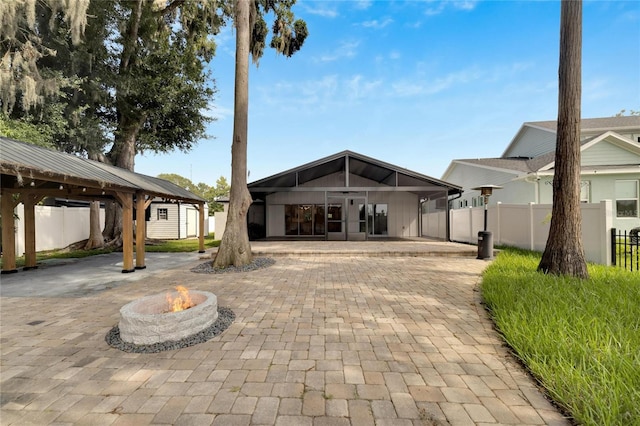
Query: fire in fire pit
(180,303)
(149,320)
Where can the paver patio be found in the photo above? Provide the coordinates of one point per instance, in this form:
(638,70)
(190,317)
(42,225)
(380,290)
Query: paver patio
(317,340)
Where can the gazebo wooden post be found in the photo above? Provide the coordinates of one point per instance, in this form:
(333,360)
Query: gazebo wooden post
(126,201)
(8,233)
(140,230)
(29,201)
(201,233)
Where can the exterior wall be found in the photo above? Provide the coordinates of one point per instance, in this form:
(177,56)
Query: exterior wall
(532,143)
(403,215)
(527,226)
(601,187)
(469,176)
(56,227)
(164,229)
(604,153)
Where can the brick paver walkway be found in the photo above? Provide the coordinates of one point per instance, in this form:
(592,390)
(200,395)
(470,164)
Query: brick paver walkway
(317,340)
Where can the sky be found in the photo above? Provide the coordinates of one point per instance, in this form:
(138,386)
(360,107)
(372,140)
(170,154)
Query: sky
(413,83)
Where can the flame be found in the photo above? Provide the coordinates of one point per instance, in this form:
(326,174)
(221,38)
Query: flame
(180,303)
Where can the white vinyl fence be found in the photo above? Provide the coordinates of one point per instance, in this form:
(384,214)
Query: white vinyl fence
(56,227)
(527,226)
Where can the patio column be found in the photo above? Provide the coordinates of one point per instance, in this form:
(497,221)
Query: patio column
(8,233)
(29,201)
(141,232)
(201,233)
(126,201)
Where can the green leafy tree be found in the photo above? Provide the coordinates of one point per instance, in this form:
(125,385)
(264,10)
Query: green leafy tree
(564,253)
(221,189)
(22,46)
(624,112)
(162,86)
(201,189)
(24,131)
(137,81)
(288,37)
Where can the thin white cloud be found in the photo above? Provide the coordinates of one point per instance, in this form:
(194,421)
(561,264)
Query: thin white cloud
(217,112)
(410,88)
(322,94)
(362,4)
(359,88)
(320,9)
(438,7)
(346,49)
(376,24)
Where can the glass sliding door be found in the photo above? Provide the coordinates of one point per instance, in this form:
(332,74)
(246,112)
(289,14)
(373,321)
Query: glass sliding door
(377,219)
(304,219)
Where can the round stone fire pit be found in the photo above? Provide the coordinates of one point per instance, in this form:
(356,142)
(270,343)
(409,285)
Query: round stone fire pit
(145,321)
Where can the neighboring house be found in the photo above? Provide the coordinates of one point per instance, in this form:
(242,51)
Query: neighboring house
(346,196)
(173,220)
(610,168)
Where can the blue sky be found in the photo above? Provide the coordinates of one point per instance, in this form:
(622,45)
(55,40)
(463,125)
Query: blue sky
(413,83)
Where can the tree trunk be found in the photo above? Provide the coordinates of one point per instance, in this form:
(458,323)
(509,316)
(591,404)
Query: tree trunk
(234,247)
(96,240)
(122,155)
(564,254)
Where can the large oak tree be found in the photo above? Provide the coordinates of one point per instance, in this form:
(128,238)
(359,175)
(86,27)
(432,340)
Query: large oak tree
(118,80)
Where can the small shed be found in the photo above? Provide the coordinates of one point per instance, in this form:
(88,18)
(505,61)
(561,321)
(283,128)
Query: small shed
(173,220)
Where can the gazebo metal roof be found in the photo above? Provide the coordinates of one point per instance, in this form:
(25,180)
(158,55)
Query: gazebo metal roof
(28,163)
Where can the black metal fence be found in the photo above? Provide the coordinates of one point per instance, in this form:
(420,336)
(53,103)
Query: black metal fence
(625,249)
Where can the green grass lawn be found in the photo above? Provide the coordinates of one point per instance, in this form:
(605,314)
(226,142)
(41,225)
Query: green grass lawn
(164,246)
(579,338)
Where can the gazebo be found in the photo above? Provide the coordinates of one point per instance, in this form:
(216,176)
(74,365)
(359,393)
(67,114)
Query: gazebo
(29,173)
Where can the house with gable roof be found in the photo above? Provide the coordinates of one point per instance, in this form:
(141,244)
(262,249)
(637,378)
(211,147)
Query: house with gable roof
(346,197)
(610,168)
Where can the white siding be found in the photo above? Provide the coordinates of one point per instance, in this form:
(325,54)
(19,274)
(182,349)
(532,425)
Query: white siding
(469,176)
(163,229)
(532,143)
(605,153)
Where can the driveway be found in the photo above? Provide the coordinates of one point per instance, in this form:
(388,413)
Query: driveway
(318,339)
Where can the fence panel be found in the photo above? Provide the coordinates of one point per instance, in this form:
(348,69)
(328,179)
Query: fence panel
(527,226)
(625,249)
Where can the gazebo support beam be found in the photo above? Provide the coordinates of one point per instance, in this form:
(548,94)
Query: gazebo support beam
(8,234)
(29,201)
(126,201)
(141,234)
(200,208)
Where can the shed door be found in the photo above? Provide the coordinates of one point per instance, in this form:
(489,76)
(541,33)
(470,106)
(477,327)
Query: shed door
(192,223)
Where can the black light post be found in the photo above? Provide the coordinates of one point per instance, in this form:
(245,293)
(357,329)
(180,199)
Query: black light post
(485,238)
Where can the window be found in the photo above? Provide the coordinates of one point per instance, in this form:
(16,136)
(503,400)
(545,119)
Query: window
(304,219)
(377,219)
(163,214)
(585,191)
(627,198)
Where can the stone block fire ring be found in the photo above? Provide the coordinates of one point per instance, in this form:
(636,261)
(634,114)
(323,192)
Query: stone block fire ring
(169,321)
